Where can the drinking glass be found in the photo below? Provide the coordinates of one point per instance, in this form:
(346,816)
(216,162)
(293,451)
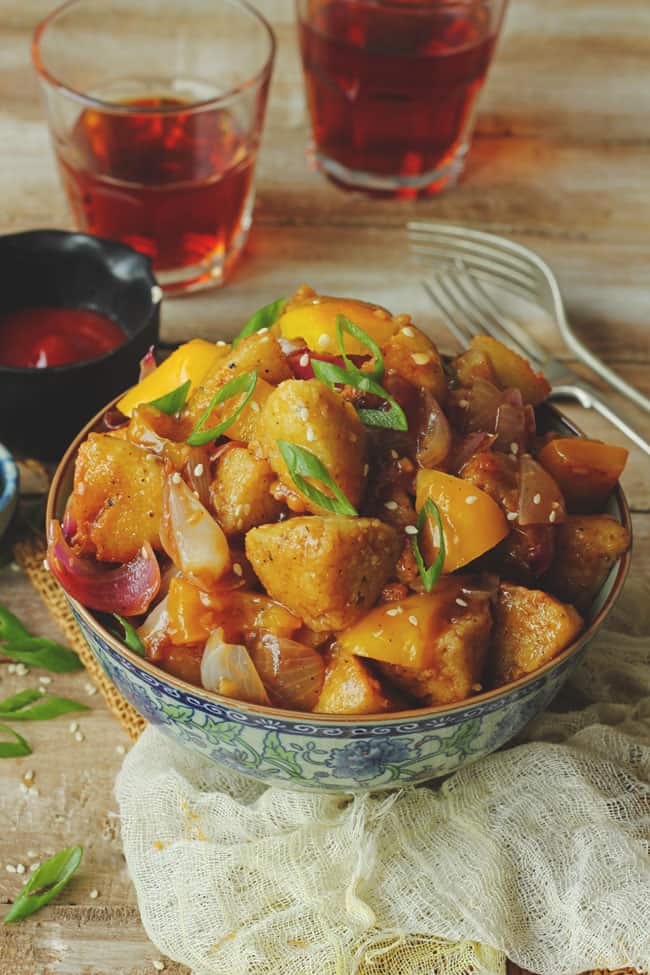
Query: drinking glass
(156,110)
(392,87)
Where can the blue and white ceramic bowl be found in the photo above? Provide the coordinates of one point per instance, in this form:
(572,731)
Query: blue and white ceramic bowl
(8,488)
(331,752)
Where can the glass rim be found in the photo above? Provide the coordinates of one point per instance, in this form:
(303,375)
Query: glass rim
(120,108)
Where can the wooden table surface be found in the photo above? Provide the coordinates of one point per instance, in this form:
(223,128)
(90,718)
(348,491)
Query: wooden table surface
(560,162)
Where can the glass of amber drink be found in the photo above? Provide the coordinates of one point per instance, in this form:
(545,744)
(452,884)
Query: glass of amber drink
(156,110)
(392,87)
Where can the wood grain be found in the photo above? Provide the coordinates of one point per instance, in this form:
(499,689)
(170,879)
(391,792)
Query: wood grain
(559,162)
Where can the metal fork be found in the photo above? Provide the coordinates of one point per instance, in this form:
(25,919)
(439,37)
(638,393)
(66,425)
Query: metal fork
(463,260)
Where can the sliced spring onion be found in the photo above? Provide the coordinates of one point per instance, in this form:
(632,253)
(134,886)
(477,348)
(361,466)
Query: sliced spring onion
(391,419)
(130,637)
(45,883)
(264,318)
(344,324)
(431,575)
(174,401)
(13,749)
(10,626)
(33,706)
(36,651)
(240,384)
(301,463)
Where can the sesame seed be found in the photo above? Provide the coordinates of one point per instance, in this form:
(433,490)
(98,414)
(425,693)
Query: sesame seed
(255,406)
(463,403)
(366,468)
(311,436)
(34,866)
(120,749)
(46,565)
(221,343)
(94,894)
(378,633)
(31,854)
(304,360)
(303,413)
(237,569)
(514,448)
(391,505)
(176,478)
(262,331)
(395,611)
(21,670)
(421,358)
(471,499)
(10,868)
(394,454)
(323,340)
(78,736)
(45,680)
(42,690)
(411,529)
(413,620)
(11,669)
(512,516)
(198,470)
(159,966)
(537,499)
(552,516)
(461,602)
(20,868)
(90,689)
(29,775)
(477,687)
(73,726)
(555,504)
(408,332)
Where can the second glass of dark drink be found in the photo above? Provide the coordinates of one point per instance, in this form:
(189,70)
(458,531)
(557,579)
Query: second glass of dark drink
(156,111)
(392,87)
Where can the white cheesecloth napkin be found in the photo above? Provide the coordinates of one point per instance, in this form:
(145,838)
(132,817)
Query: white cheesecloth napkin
(539,852)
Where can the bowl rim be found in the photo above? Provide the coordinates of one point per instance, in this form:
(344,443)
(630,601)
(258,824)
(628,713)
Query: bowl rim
(301,717)
(103,243)
(9,478)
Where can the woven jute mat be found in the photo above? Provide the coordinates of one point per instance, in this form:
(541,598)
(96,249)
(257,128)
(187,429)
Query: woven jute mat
(30,554)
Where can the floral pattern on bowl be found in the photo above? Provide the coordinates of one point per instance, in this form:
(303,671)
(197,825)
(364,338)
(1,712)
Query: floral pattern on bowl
(8,488)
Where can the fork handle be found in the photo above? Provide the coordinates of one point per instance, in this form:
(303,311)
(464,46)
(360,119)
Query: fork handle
(592,399)
(603,370)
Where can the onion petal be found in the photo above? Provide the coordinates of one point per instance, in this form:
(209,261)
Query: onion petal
(474,443)
(191,537)
(147,364)
(126,589)
(540,499)
(434,441)
(292,672)
(154,630)
(228,669)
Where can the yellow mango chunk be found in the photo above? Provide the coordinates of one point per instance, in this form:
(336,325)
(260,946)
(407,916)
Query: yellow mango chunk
(192,361)
(472,522)
(315,322)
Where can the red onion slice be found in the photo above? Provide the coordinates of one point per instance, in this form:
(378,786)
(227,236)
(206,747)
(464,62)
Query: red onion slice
(540,499)
(127,589)
(147,364)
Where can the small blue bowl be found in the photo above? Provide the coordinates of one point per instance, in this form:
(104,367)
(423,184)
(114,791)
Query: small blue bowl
(336,753)
(8,488)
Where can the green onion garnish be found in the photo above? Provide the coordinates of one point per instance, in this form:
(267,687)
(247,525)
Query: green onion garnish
(431,575)
(36,651)
(331,374)
(130,637)
(240,384)
(45,883)
(301,463)
(13,749)
(10,626)
(31,705)
(174,401)
(344,324)
(264,318)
